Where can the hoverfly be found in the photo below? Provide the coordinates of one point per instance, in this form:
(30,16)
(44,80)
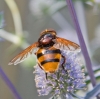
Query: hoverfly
(48,51)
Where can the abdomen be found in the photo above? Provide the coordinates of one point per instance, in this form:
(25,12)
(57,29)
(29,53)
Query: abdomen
(49,59)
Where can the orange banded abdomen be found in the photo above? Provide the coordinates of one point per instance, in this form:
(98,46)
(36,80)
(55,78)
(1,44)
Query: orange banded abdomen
(49,59)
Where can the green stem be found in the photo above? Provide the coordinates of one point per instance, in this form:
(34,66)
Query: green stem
(16,16)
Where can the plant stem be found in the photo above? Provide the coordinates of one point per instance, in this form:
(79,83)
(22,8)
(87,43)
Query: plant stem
(10,85)
(82,43)
(16,16)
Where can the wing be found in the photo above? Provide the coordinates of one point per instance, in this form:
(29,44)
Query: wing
(24,54)
(64,44)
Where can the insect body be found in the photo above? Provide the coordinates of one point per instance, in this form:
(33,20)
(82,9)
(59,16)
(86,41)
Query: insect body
(49,59)
(48,51)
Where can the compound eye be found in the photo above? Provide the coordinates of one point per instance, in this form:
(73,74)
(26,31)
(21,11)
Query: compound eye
(48,35)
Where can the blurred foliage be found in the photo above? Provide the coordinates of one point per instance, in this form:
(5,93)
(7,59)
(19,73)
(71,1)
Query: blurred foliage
(1,20)
(96,74)
(93,93)
(29,62)
(43,7)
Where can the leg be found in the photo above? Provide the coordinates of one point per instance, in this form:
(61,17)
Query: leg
(45,73)
(40,66)
(63,62)
(46,76)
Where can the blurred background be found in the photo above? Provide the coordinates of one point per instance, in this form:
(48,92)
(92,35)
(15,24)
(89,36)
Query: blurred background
(25,19)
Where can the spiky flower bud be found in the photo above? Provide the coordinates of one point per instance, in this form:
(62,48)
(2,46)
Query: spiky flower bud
(64,81)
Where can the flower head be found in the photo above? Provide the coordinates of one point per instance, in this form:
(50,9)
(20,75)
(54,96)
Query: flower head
(63,81)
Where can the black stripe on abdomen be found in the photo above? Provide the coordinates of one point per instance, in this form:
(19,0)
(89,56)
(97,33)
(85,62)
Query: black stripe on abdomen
(49,60)
(48,52)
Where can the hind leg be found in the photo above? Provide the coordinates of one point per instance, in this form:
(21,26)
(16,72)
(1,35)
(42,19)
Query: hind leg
(45,72)
(63,62)
(46,76)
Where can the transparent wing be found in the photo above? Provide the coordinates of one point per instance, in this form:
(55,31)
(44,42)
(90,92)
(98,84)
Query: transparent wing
(24,54)
(64,44)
